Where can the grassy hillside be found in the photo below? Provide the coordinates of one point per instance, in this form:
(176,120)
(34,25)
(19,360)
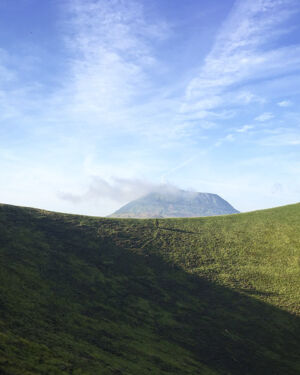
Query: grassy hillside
(216,295)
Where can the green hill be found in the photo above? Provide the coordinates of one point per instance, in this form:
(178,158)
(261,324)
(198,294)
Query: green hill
(215,295)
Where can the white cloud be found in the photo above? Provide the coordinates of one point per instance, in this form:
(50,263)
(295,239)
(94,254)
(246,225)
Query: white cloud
(110,41)
(283,137)
(244,128)
(284,103)
(228,138)
(247,97)
(240,55)
(264,117)
(120,190)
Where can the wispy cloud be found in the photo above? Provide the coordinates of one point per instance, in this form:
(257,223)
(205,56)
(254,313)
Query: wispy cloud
(283,137)
(112,48)
(120,190)
(244,128)
(264,117)
(241,54)
(284,103)
(228,138)
(104,77)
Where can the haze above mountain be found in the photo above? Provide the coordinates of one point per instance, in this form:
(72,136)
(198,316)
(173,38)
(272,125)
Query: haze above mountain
(175,203)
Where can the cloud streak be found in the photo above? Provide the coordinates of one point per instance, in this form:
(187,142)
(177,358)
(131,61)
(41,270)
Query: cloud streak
(264,117)
(241,54)
(284,103)
(111,44)
(120,190)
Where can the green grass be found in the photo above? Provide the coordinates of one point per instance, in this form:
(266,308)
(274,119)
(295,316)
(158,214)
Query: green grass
(216,295)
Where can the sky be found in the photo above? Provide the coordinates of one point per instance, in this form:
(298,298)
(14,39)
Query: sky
(102,101)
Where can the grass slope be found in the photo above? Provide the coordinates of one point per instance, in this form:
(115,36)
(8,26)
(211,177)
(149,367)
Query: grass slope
(216,295)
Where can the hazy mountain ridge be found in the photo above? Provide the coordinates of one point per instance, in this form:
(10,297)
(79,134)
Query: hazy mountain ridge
(175,203)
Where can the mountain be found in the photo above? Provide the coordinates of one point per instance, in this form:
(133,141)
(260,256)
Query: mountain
(212,296)
(175,203)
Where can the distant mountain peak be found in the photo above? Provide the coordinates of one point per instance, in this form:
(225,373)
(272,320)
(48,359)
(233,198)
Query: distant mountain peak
(171,202)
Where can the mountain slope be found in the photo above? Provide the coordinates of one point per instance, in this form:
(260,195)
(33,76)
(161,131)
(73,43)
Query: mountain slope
(175,203)
(217,295)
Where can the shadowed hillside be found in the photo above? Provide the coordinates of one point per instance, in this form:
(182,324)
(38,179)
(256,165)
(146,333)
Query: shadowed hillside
(82,295)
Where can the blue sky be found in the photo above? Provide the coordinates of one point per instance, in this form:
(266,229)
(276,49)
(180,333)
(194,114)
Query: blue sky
(102,101)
